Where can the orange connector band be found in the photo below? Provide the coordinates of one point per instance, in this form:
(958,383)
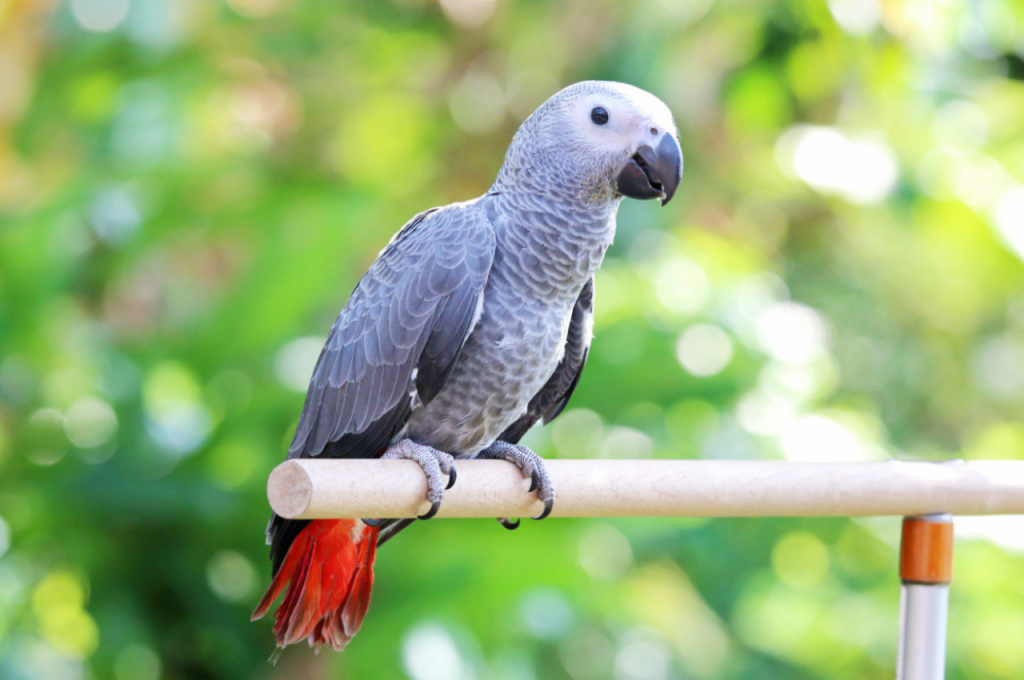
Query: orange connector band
(926,551)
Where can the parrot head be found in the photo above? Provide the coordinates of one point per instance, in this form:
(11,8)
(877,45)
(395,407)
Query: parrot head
(604,140)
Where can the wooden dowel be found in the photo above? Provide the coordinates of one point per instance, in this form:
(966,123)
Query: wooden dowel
(319,489)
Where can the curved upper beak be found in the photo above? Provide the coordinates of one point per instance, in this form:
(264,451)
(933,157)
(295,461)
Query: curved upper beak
(652,172)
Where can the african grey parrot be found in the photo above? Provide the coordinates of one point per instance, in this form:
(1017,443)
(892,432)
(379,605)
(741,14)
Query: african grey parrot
(472,325)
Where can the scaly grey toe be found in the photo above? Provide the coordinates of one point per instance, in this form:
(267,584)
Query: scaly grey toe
(531,465)
(438,466)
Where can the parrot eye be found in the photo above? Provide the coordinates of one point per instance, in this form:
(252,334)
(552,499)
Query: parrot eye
(599,115)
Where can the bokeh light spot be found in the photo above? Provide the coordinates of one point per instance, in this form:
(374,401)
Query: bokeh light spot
(177,418)
(604,553)
(817,438)
(477,103)
(960,127)
(860,169)
(626,442)
(856,17)
(792,332)
(90,422)
(381,135)
(100,16)
(294,363)
(114,215)
(469,13)
(1008,216)
(800,559)
(546,613)
(682,286)
(231,576)
(429,653)
(643,659)
(704,350)
(577,433)
(58,602)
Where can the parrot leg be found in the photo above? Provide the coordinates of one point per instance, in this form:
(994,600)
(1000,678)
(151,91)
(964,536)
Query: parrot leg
(436,465)
(532,466)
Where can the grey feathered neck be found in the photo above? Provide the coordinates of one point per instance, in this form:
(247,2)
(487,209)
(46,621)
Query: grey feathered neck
(537,163)
(557,205)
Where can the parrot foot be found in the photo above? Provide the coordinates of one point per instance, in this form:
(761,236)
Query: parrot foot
(531,465)
(436,465)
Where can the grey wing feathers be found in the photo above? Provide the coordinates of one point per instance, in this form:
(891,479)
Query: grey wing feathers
(553,397)
(395,342)
(399,335)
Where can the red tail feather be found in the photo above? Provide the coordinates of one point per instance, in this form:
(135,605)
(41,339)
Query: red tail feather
(329,575)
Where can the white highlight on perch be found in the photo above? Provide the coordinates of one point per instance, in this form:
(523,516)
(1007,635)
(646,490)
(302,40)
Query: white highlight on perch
(324,489)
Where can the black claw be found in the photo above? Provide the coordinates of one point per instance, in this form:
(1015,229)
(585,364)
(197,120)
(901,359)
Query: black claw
(433,510)
(451,477)
(548,504)
(374,522)
(509,524)
(535,480)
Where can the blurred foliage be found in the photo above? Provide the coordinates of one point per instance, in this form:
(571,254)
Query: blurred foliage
(189,189)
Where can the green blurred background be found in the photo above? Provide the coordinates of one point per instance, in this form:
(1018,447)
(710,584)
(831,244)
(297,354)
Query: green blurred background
(190,188)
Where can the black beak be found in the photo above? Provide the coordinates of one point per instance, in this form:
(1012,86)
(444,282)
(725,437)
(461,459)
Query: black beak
(652,173)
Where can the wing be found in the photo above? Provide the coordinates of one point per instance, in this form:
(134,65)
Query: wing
(555,394)
(395,342)
(398,337)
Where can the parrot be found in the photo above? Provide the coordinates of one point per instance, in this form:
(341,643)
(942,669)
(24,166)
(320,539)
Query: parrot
(472,325)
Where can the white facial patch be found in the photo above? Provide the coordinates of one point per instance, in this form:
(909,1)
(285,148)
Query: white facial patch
(635,118)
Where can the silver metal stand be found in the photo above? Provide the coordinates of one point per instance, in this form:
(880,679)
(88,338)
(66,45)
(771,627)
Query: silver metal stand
(926,553)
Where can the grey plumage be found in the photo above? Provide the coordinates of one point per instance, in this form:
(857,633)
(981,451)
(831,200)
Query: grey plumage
(395,342)
(549,402)
(474,322)
(399,334)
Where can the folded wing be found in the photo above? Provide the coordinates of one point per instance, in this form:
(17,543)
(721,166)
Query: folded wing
(395,342)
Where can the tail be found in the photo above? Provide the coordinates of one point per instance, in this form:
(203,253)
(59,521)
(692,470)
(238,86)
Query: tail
(329,574)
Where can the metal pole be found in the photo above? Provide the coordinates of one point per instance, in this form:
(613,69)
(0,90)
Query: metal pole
(926,569)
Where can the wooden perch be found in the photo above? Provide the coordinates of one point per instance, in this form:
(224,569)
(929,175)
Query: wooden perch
(322,489)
